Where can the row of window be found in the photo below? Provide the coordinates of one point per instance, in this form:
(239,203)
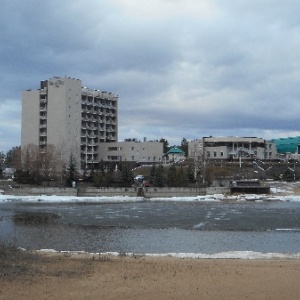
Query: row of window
(208,154)
(121,148)
(221,154)
(133,158)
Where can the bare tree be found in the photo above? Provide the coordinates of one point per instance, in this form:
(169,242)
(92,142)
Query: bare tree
(51,163)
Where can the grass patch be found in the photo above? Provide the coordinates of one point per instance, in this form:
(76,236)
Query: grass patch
(16,263)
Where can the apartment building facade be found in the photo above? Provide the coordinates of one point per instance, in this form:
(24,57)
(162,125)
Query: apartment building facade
(73,118)
(231,148)
(132,150)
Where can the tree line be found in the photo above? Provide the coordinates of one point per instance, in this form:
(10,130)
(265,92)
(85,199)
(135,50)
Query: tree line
(49,168)
(42,168)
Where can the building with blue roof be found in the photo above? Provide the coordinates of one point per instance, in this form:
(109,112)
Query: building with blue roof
(287,145)
(175,154)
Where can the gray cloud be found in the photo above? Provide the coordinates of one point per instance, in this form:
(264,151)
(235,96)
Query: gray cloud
(180,68)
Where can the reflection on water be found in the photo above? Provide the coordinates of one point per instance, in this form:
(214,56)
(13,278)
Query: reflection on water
(156,227)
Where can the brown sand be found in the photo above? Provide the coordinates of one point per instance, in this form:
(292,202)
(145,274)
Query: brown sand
(53,276)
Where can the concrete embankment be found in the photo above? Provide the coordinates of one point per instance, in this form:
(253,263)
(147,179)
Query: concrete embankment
(48,191)
(150,192)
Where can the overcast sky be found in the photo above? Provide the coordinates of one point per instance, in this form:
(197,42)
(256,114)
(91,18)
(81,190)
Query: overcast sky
(181,68)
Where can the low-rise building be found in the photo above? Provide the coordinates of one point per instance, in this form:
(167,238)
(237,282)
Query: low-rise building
(174,155)
(132,150)
(287,148)
(231,148)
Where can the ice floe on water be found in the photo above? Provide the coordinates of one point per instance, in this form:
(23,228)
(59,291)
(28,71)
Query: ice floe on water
(105,199)
(232,255)
(65,199)
(221,255)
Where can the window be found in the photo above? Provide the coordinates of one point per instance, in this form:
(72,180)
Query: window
(222,154)
(113,158)
(215,153)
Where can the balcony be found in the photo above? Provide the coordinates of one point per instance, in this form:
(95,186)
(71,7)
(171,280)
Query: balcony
(43,143)
(43,91)
(241,151)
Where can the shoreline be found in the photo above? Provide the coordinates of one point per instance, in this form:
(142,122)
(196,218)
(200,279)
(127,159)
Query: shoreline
(69,276)
(221,198)
(236,255)
(277,189)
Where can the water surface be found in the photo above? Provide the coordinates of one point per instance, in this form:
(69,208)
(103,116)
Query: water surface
(156,227)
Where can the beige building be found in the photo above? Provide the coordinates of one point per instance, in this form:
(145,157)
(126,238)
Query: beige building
(231,148)
(71,117)
(132,150)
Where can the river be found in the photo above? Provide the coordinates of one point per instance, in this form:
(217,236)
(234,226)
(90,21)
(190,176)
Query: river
(154,226)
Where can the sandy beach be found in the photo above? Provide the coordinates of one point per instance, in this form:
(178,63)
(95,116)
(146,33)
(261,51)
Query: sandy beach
(82,276)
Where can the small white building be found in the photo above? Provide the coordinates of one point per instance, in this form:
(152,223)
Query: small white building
(174,155)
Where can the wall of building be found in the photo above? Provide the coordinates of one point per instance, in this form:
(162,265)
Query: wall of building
(270,151)
(30,118)
(227,147)
(99,123)
(231,147)
(142,152)
(64,116)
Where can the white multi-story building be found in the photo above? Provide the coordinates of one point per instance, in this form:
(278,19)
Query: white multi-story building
(231,148)
(71,117)
(132,150)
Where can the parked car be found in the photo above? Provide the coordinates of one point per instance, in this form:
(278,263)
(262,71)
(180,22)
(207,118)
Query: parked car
(139,178)
(147,184)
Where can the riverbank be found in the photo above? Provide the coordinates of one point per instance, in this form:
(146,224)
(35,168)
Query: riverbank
(6,188)
(81,276)
(149,192)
